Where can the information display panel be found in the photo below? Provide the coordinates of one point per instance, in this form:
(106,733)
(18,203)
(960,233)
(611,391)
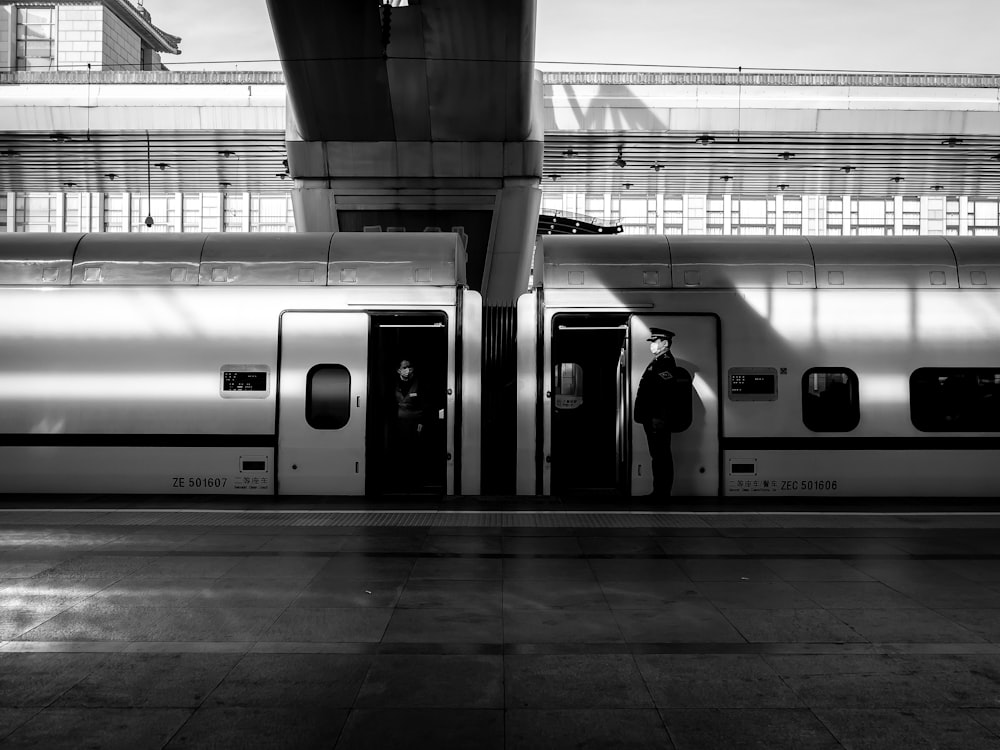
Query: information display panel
(244,381)
(753,384)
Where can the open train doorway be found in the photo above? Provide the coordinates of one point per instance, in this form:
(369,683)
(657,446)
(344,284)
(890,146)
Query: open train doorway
(585,356)
(407,432)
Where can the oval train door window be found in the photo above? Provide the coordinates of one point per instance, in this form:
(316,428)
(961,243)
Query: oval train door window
(328,397)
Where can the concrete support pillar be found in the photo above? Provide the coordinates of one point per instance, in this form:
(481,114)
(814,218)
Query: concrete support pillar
(508,262)
(60,216)
(178,220)
(97,219)
(245,227)
(312,204)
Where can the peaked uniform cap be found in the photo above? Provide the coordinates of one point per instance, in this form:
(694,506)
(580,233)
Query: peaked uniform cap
(655,334)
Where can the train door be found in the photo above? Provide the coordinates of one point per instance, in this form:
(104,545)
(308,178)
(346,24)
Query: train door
(695,449)
(322,398)
(402,460)
(584,402)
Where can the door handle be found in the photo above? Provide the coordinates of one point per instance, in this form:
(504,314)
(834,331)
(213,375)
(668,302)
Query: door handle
(359,402)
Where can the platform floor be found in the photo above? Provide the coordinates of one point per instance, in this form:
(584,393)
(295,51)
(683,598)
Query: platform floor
(160,624)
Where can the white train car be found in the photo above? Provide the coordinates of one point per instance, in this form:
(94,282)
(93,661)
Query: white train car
(828,367)
(242,364)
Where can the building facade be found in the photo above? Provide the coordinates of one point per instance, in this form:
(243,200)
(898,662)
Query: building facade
(781,214)
(126,212)
(78,35)
(64,40)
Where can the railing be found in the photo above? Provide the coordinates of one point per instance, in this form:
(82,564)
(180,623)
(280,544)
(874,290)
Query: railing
(554,78)
(572,216)
(161,77)
(565,222)
(663,78)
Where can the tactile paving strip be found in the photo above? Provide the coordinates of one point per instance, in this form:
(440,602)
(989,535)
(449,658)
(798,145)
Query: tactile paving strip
(367,519)
(625,519)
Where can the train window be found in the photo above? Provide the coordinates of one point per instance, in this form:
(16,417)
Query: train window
(830,399)
(955,399)
(328,397)
(568,386)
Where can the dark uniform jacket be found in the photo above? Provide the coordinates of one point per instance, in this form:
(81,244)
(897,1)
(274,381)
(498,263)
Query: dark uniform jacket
(410,401)
(664,393)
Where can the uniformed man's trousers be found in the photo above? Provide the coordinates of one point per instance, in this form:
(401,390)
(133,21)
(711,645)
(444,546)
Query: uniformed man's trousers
(658,439)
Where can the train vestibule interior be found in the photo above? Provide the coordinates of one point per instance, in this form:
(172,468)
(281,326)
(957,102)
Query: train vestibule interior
(401,457)
(587,456)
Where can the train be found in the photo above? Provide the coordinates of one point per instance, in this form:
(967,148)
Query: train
(822,366)
(262,364)
(234,364)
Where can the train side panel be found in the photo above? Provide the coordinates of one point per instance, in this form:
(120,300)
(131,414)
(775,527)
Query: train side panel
(882,336)
(166,390)
(120,390)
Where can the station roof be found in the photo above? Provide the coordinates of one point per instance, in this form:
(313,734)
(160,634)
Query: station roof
(697,133)
(765,133)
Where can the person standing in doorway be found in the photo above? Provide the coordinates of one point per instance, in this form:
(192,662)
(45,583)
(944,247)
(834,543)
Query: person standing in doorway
(410,425)
(662,386)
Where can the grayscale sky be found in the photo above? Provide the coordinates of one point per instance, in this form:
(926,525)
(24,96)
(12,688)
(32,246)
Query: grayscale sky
(957,36)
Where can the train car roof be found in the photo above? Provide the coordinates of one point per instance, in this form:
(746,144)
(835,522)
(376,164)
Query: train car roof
(257,259)
(38,258)
(978,261)
(396,258)
(588,262)
(124,259)
(712,262)
(704,262)
(884,262)
(270,259)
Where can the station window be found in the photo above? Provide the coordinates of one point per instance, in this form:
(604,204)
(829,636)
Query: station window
(983,217)
(830,399)
(34,38)
(328,397)
(37,212)
(955,399)
(163,209)
(272,213)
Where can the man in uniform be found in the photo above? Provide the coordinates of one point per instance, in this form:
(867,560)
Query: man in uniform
(407,432)
(659,388)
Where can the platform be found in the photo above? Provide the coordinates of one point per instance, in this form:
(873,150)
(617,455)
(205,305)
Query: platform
(414,623)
